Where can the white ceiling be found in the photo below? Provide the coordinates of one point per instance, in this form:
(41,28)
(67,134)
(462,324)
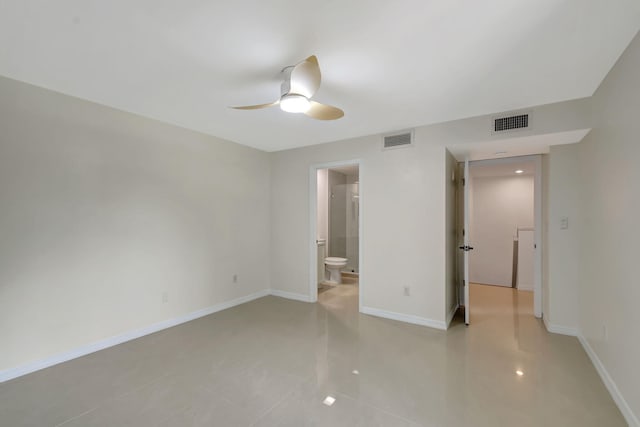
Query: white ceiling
(389,65)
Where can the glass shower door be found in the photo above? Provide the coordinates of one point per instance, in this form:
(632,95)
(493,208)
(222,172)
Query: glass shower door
(344,224)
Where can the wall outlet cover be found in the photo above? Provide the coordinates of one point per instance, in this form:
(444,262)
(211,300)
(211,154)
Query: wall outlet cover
(564,222)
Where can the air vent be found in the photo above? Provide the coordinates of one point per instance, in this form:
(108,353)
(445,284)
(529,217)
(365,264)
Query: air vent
(502,124)
(398,140)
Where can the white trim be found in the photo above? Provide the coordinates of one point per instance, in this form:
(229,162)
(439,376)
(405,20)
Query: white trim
(562,330)
(291,295)
(30,367)
(313,235)
(624,407)
(451,314)
(361,236)
(466,235)
(407,318)
(537,238)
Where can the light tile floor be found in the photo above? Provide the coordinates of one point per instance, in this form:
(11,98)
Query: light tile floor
(272,362)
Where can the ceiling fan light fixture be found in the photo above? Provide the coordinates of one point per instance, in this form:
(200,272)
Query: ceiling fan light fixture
(294,103)
(301,82)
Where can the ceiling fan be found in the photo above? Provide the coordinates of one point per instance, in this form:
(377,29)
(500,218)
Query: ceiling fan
(301,82)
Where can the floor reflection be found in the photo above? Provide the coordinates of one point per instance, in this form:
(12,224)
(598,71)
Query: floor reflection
(272,362)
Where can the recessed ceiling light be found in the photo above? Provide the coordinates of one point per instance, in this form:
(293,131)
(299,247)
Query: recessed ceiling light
(355,372)
(329,400)
(519,373)
(519,171)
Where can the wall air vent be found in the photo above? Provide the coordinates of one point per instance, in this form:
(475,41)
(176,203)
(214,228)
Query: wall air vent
(398,140)
(502,124)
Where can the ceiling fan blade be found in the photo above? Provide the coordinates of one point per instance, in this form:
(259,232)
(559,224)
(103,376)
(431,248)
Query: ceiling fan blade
(324,112)
(305,77)
(256,107)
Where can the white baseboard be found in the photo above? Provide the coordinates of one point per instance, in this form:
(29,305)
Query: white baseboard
(290,295)
(617,397)
(451,314)
(408,318)
(559,329)
(27,368)
(624,407)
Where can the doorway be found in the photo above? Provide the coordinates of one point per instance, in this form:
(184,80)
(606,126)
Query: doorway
(499,223)
(336,234)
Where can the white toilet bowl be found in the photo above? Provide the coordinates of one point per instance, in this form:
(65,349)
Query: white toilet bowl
(334,265)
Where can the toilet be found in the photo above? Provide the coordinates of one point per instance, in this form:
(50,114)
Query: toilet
(334,265)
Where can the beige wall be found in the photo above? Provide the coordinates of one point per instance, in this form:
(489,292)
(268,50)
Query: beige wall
(609,181)
(563,245)
(499,204)
(404,223)
(591,288)
(104,211)
(402,193)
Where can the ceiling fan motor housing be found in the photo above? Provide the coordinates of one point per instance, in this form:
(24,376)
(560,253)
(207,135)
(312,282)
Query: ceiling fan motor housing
(285,87)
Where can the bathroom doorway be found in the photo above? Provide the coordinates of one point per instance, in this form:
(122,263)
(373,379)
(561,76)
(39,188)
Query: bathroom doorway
(335,262)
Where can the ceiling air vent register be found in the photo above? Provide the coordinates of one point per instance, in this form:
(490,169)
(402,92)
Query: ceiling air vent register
(502,124)
(398,140)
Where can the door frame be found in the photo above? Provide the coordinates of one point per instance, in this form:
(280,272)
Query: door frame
(466,237)
(313,225)
(537,219)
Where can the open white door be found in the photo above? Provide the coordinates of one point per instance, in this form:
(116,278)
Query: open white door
(465,247)
(463,226)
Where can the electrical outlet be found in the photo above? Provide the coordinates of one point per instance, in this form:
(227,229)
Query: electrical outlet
(165,297)
(564,223)
(407,291)
(235,278)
